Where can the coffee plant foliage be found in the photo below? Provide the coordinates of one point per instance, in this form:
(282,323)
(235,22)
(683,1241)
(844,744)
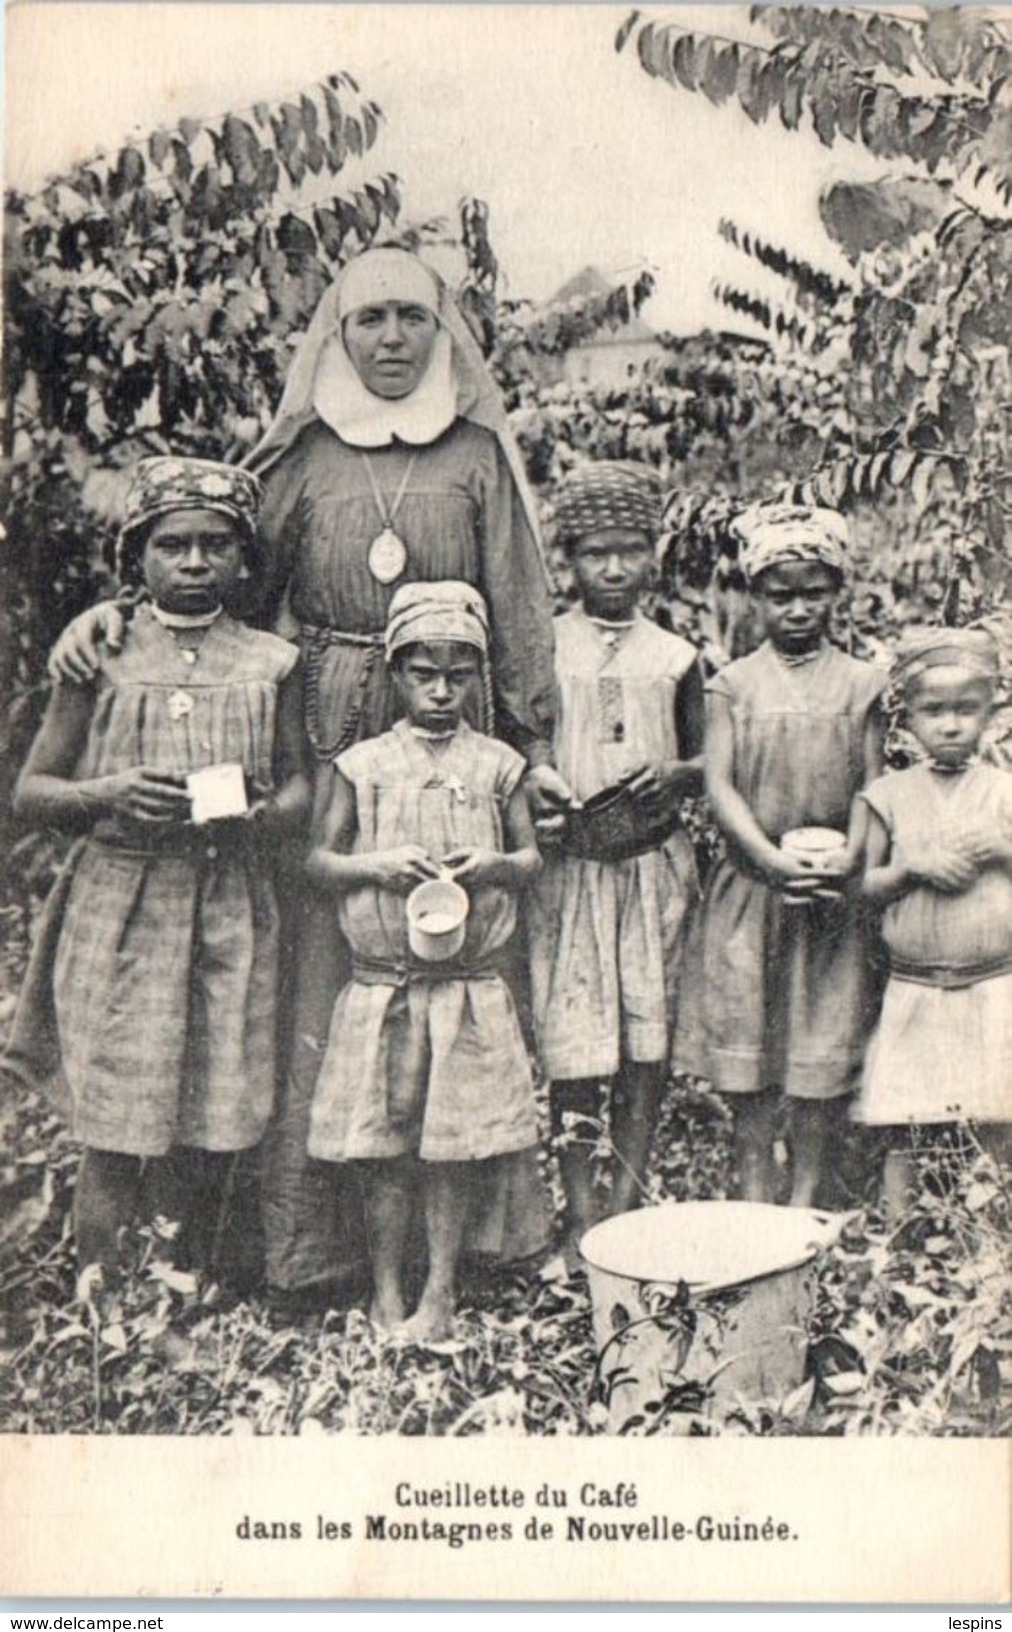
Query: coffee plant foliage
(912,350)
(153,298)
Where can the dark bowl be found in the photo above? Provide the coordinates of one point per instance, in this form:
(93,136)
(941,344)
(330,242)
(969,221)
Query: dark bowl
(611,826)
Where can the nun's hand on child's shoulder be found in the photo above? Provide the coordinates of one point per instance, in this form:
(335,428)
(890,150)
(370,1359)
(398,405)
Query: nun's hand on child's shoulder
(75,657)
(143,795)
(401,869)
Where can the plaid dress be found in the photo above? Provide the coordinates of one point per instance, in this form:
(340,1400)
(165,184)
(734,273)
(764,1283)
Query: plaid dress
(425,1059)
(154,972)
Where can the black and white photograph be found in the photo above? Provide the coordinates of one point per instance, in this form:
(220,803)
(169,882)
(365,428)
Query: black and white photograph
(505,799)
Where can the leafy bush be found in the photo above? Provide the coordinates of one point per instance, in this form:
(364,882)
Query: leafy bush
(912,1333)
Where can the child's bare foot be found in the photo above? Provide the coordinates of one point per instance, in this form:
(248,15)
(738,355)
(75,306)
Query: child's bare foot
(386,1311)
(432,1321)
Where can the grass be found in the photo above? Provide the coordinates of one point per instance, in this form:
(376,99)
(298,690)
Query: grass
(912,1332)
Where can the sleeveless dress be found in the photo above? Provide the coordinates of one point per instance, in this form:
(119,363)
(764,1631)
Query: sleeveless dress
(943,1048)
(428,1059)
(461,517)
(783,995)
(153,976)
(606,938)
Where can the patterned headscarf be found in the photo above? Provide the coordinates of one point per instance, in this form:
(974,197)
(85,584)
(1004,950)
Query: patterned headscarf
(446,610)
(166,483)
(774,535)
(607,494)
(973,650)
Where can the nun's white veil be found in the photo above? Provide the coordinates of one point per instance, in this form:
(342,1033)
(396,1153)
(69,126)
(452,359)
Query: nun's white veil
(323,383)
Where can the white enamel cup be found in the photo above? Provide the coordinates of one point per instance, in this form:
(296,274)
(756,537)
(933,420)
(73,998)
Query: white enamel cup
(437,919)
(216,792)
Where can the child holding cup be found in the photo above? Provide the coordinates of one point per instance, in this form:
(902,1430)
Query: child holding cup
(425,1083)
(153,976)
(793,734)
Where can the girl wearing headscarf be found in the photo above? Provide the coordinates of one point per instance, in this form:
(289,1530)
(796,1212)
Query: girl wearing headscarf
(793,734)
(607,919)
(425,1083)
(153,978)
(937,843)
(390,462)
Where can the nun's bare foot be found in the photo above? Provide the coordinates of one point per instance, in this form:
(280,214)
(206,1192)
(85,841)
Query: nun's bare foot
(432,1321)
(386,1312)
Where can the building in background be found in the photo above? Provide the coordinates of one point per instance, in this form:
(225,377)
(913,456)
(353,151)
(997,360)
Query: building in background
(611,355)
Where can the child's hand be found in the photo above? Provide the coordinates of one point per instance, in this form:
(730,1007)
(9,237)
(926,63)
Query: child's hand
(475,867)
(796,874)
(143,795)
(837,865)
(550,797)
(951,870)
(655,787)
(975,842)
(401,869)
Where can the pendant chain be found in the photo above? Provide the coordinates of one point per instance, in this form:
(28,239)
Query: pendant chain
(387,516)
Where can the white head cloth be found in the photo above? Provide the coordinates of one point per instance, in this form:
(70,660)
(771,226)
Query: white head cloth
(446,610)
(342,401)
(457,383)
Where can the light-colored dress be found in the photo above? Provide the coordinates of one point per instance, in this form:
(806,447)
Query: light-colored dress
(462,517)
(606,937)
(943,1048)
(775,994)
(154,974)
(426,1059)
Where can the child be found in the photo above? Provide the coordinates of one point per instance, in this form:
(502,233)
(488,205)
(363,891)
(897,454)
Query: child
(938,846)
(793,733)
(154,975)
(606,935)
(425,1081)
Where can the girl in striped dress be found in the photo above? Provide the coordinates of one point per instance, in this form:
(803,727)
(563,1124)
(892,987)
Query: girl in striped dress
(425,1084)
(607,930)
(153,978)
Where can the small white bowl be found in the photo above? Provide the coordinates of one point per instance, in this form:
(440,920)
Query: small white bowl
(437,919)
(813,843)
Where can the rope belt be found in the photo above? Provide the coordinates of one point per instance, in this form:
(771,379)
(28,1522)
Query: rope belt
(317,641)
(950,977)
